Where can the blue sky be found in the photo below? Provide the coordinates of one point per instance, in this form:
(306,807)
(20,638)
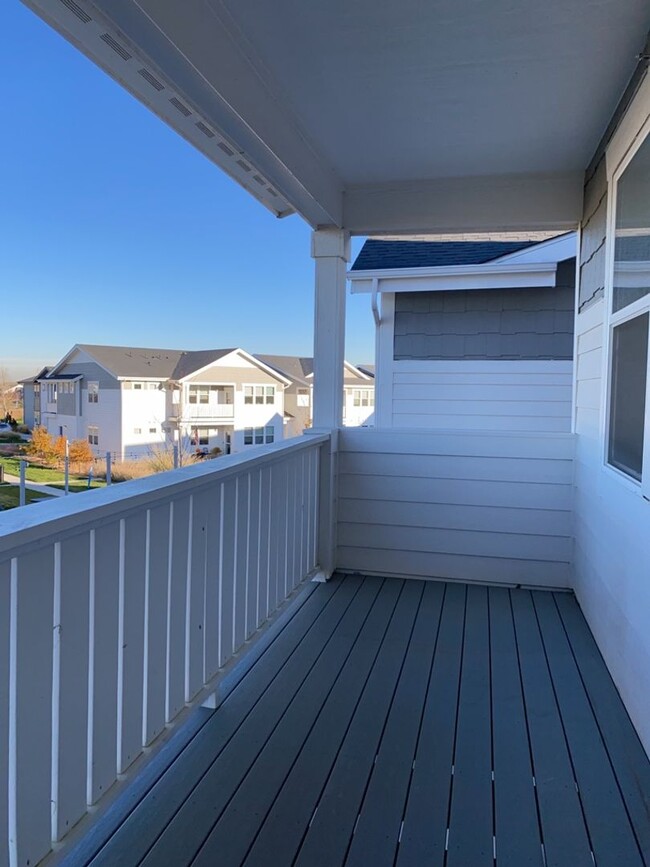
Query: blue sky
(114,230)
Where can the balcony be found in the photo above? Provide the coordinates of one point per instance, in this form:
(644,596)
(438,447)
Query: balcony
(199,695)
(205,412)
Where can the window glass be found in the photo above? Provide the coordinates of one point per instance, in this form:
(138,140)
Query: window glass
(93,392)
(270,394)
(270,434)
(259,435)
(248,394)
(248,436)
(627,396)
(632,237)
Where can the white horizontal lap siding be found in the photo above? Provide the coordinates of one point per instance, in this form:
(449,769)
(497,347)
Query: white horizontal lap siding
(489,506)
(485,395)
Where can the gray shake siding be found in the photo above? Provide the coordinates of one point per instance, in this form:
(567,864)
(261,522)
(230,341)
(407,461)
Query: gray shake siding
(487,324)
(592,246)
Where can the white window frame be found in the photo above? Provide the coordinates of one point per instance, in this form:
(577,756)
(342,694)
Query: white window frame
(258,436)
(93,392)
(93,434)
(259,395)
(631,311)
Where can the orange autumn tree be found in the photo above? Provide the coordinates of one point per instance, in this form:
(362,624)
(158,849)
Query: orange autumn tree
(42,445)
(81,455)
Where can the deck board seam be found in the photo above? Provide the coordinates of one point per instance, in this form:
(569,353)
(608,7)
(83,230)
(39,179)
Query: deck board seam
(225,746)
(306,737)
(383,730)
(600,732)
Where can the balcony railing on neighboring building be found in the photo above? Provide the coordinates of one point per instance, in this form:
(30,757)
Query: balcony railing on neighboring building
(210,410)
(119,608)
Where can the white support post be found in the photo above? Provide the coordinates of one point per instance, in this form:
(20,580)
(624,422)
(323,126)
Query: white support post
(66,469)
(21,494)
(330,249)
(331,252)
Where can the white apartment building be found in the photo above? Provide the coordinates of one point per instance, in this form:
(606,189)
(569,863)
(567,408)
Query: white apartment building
(132,402)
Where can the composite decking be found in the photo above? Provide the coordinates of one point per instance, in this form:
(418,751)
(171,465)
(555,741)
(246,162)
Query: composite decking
(408,723)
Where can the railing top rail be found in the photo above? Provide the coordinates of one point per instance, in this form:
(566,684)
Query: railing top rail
(24,527)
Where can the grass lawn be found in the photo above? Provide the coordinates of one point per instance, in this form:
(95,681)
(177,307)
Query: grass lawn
(48,476)
(9,496)
(77,485)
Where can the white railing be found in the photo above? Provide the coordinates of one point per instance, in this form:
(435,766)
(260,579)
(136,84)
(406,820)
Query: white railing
(210,410)
(119,607)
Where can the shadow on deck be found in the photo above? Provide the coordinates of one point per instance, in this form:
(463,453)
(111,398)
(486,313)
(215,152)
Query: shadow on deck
(409,723)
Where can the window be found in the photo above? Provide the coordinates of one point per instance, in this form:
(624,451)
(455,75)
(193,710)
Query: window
(204,436)
(199,394)
(51,392)
(302,397)
(153,430)
(137,386)
(93,392)
(628,395)
(363,397)
(259,394)
(137,430)
(259,435)
(93,435)
(628,429)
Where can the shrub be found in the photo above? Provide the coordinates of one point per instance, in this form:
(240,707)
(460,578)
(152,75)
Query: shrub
(42,445)
(80,453)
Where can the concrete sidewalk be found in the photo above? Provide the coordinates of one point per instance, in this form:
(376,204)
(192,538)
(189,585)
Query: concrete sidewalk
(36,486)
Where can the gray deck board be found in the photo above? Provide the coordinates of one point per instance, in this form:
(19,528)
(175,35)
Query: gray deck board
(291,811)
(425,819)
(330,693)
(328,836)
(392,722)
(564,833)
(377,834)
(470,816)
(605,814)
(515,804)
(322,651)
(621,740)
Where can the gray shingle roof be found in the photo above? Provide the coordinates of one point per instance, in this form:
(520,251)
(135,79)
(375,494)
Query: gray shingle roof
(155,363)
(135,361)
(190,362)
(376,255)
(296,368)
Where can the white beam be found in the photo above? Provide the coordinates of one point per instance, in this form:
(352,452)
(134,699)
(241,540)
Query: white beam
(331,252)
(494,203)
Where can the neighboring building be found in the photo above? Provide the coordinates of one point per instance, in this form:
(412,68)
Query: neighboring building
(298,394)
(473,335)
(130,401)
(358,392)
(31,397)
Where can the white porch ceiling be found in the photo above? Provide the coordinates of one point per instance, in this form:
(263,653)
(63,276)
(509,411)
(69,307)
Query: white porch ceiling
(448,115)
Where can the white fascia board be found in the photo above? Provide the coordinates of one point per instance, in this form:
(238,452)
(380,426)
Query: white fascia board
(135,378)
(554,250)
(355,371)
(192,71)
(459,277)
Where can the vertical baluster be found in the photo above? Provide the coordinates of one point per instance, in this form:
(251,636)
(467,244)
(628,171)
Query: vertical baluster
(30,706)
(102,653)
(155,639)
(212,627)
(196,596)
(70,697)
(227,570)
(240,563)
(253,552)
(176,599)
(133,532)
(5,609)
